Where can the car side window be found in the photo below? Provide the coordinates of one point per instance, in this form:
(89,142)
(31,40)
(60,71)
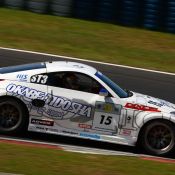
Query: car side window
(74,81)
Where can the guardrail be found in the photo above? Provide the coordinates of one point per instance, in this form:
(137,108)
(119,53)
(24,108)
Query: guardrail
(149,14)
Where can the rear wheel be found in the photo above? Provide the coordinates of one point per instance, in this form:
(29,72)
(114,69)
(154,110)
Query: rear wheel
(13,116)
(158,138)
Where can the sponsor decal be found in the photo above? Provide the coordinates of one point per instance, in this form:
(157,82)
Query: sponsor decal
(47,129)
(155,103)
(42,122)
(22,77)
(85,126)
(54,114)
(51,129)
(28,93)
(64,108)
(87,135)
(70,132)
(125,132)
(160,102)
(41,79)
(108,107)
(65,105)
(141,107)
(40,128)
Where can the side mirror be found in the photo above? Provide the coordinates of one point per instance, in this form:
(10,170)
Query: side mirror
(38,103)
(103,92)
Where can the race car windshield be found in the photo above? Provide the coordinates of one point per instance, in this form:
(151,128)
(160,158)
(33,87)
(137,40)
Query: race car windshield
(118,90)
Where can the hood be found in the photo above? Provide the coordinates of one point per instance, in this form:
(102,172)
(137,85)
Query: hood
(162,105)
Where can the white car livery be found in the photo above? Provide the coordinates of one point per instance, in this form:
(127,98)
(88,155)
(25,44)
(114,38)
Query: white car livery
(73,99)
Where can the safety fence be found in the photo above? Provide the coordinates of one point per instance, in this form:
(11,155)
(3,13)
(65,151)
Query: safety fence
(150,14)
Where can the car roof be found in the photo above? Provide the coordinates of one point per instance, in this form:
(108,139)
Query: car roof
(22,67)
(69,66)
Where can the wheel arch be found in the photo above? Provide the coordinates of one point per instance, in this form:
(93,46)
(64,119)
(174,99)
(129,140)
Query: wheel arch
(23,120)
(147,123)
(18,100)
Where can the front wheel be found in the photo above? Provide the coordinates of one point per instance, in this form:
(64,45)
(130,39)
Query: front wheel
(158,138)
(13,117)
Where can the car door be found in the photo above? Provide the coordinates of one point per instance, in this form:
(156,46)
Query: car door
(77,106)
(32,94)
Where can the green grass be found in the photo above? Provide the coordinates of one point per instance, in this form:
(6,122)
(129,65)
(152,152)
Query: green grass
(42,161)
(87,40)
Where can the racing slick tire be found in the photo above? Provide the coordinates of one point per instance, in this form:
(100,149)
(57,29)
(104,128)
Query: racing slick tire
(158,138)
(13,116)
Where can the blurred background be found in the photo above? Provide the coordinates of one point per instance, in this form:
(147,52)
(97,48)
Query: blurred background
(156,15)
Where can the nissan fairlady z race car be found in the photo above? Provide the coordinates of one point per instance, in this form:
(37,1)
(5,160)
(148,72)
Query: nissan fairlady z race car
(73,99)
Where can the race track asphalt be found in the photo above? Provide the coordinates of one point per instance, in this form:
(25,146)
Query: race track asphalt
(150,83)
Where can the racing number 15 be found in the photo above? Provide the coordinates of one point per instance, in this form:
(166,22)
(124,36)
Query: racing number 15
(106,120)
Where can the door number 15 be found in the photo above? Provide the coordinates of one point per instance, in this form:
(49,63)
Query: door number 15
(107,120)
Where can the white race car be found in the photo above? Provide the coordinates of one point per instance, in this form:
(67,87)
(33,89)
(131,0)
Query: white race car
(74,99)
